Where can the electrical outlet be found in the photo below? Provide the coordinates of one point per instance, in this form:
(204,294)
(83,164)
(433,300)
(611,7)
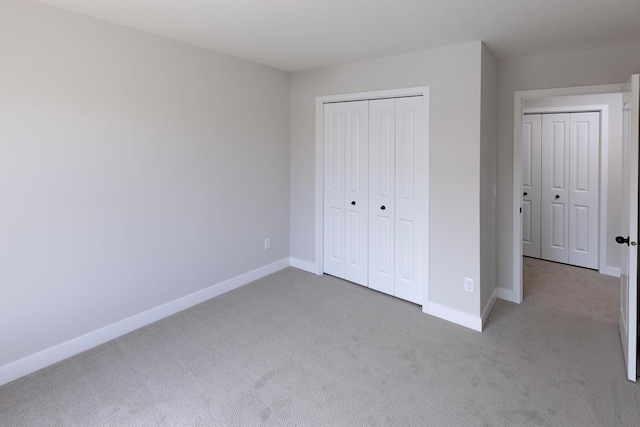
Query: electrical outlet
(468,285)
(267,243)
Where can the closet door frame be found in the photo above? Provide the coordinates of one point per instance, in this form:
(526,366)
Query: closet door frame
(423,91)
(604,171)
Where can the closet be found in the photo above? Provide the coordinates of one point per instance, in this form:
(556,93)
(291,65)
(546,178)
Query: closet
(560,176)
(374,194)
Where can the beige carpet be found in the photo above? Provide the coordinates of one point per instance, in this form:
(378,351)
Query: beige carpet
(294,349)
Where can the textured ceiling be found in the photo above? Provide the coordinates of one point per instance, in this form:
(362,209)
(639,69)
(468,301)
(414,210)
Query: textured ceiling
(301,34)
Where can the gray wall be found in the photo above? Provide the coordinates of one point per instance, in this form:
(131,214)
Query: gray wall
(614,164)
(488,142)
(582,68)
(134,170)
(453,75)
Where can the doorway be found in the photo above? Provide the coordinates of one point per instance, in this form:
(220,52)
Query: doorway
(580,159)
(561,100)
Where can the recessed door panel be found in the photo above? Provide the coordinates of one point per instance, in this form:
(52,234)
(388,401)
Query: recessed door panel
(559,151)
(557,226)
(406,245)
(526,222)
(580,222)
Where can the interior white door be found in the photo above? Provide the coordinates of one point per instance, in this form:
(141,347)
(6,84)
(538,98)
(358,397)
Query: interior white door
(531,172)
(382,152)
(629,227)
(357,192)
(410,193)
(584,153)
(334,194)
(346,190)
(555,187)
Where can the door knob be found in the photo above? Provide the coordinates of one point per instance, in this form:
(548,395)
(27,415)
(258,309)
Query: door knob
(557,197)
(382,207)
(622,240)
(353,203)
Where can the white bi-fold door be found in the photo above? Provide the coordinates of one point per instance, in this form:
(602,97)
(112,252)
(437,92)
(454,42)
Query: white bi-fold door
(346,143)
(566,201)
(531,171)
(374,197)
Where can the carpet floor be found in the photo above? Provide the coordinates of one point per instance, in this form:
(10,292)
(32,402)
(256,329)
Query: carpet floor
(294,349)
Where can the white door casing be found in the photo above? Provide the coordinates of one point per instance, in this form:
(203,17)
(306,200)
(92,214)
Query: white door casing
(629,227)
(531,183)
(555,188)
(584,189)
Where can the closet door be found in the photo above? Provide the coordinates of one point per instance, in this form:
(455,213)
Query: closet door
(584,189)
(357,192)
(410,192)
(382,133)
(345,190)
(555,187)
(531,182)
(334,189)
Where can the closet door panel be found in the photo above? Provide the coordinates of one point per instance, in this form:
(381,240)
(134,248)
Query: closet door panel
(382,195)
(410,193)
(531,183)
(356,191)
(334,189)
(584,189)
(555,187)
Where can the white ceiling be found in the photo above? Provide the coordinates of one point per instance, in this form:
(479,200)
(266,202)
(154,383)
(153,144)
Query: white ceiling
(302,34)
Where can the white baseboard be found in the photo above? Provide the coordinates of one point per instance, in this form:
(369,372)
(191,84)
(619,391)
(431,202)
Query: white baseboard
(303,265)
(44,358)
(487,309)
(454,316)
(507,295)
(612,271)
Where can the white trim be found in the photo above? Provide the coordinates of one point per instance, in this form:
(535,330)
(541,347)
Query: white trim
(518,106)
(507,295)
(44,358)
(360,96)
(454,316)
(603,197)
(487,309)
(612,271)
(302,265)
